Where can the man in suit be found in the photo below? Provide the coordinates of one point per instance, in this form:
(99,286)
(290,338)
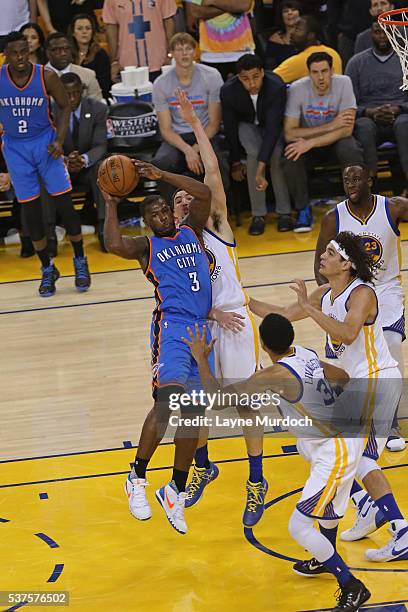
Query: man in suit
(85,146)
(253,105)
(59,53)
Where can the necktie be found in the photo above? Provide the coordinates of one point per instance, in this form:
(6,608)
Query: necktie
(75,132)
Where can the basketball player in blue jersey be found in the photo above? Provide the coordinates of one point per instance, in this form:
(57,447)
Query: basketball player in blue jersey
(32,148)
(230,313)
(174,261)
(302,382)
(347,310)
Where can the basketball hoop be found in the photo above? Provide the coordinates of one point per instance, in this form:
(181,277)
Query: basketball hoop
(395,25)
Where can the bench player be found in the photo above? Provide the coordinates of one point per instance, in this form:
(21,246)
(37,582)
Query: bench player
(32,148)
(347,310)
(174,261)
(302,383)
(237,350)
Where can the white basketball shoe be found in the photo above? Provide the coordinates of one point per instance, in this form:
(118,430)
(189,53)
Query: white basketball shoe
(136,491)
(173,504)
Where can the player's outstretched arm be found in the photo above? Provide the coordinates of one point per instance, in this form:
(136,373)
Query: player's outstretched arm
(123,246)
(57,91)
(199,206)
(328,231)
(362,306)
(208,157)
(292,312)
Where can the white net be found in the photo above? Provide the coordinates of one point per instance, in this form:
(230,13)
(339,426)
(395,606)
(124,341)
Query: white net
(398,36)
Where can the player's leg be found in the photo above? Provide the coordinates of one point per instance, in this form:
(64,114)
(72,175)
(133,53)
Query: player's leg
(325,499)
(24,176)
(394,338)
(58,184)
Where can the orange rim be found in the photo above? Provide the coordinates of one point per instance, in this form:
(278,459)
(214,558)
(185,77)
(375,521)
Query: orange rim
(384,18)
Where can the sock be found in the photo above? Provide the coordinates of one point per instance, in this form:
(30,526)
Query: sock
(355,488)
(180,480)
(201,457)
(78,248)
(140,466)
(44,257)
(338,568)
(330,534)
(389,507)
(255,468)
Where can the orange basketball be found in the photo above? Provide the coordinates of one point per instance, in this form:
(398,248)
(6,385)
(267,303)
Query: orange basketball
(117,175)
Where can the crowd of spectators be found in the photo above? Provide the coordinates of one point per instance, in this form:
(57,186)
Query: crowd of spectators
(279,85)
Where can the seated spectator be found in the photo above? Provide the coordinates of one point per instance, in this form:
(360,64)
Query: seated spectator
(364,39)
(223,36)
(15,14)
(279,46)
(304,37)
(58,14)
(180,152)
(59,53)
(346,19)
(87,52)
(253,103)
(319,122)
(36,43)
(382,107)
(84,147)
(140,39)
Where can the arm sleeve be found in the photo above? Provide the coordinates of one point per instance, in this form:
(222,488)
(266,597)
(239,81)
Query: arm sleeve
(273,125)
(159,97)
(347,98)
(231,124)
(293,105)
(352,71)
(108,13)
(214,83)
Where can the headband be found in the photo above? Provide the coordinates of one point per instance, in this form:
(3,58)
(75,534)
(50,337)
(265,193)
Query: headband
(341,252)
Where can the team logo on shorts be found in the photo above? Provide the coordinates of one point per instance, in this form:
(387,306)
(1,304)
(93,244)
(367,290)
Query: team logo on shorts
(374,247)
(336,345)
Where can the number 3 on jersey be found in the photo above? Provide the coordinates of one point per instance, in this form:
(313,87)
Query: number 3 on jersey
(22,126)
(195,285)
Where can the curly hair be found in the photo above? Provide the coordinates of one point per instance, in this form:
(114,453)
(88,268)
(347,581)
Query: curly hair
(363,264)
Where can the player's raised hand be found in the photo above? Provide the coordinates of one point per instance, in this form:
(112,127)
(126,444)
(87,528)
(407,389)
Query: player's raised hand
(147,170)
(198,343)
(186,108)
(110,200)
(55,149)
(299,286)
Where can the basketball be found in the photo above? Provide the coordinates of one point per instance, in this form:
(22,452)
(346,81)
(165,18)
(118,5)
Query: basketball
(117,175)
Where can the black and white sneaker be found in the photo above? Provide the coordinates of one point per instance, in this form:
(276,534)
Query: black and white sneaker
(351,596)
(310,568)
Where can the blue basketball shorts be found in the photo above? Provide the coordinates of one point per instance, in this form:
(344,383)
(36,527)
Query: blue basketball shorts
(172,362)
(28,161)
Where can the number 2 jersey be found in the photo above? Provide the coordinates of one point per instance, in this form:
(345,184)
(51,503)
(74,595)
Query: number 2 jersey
(179,270)
(382,240)
(24,111)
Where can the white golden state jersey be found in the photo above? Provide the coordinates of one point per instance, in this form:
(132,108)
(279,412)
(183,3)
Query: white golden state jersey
(381,239)
(316,399)
(227,291)
(369,353)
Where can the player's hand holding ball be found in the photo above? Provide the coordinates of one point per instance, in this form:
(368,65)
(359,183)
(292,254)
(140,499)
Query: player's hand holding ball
(118,176)
(147,170)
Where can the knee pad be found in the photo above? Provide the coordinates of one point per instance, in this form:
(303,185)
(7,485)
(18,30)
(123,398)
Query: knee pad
(300,526)
(31,215)
(69,215)
(365,466)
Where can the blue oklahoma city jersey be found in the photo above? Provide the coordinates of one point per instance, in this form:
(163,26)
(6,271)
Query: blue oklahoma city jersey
(179,270)
(24,112)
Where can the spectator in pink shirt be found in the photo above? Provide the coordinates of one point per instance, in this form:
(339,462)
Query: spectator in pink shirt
(139,32)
